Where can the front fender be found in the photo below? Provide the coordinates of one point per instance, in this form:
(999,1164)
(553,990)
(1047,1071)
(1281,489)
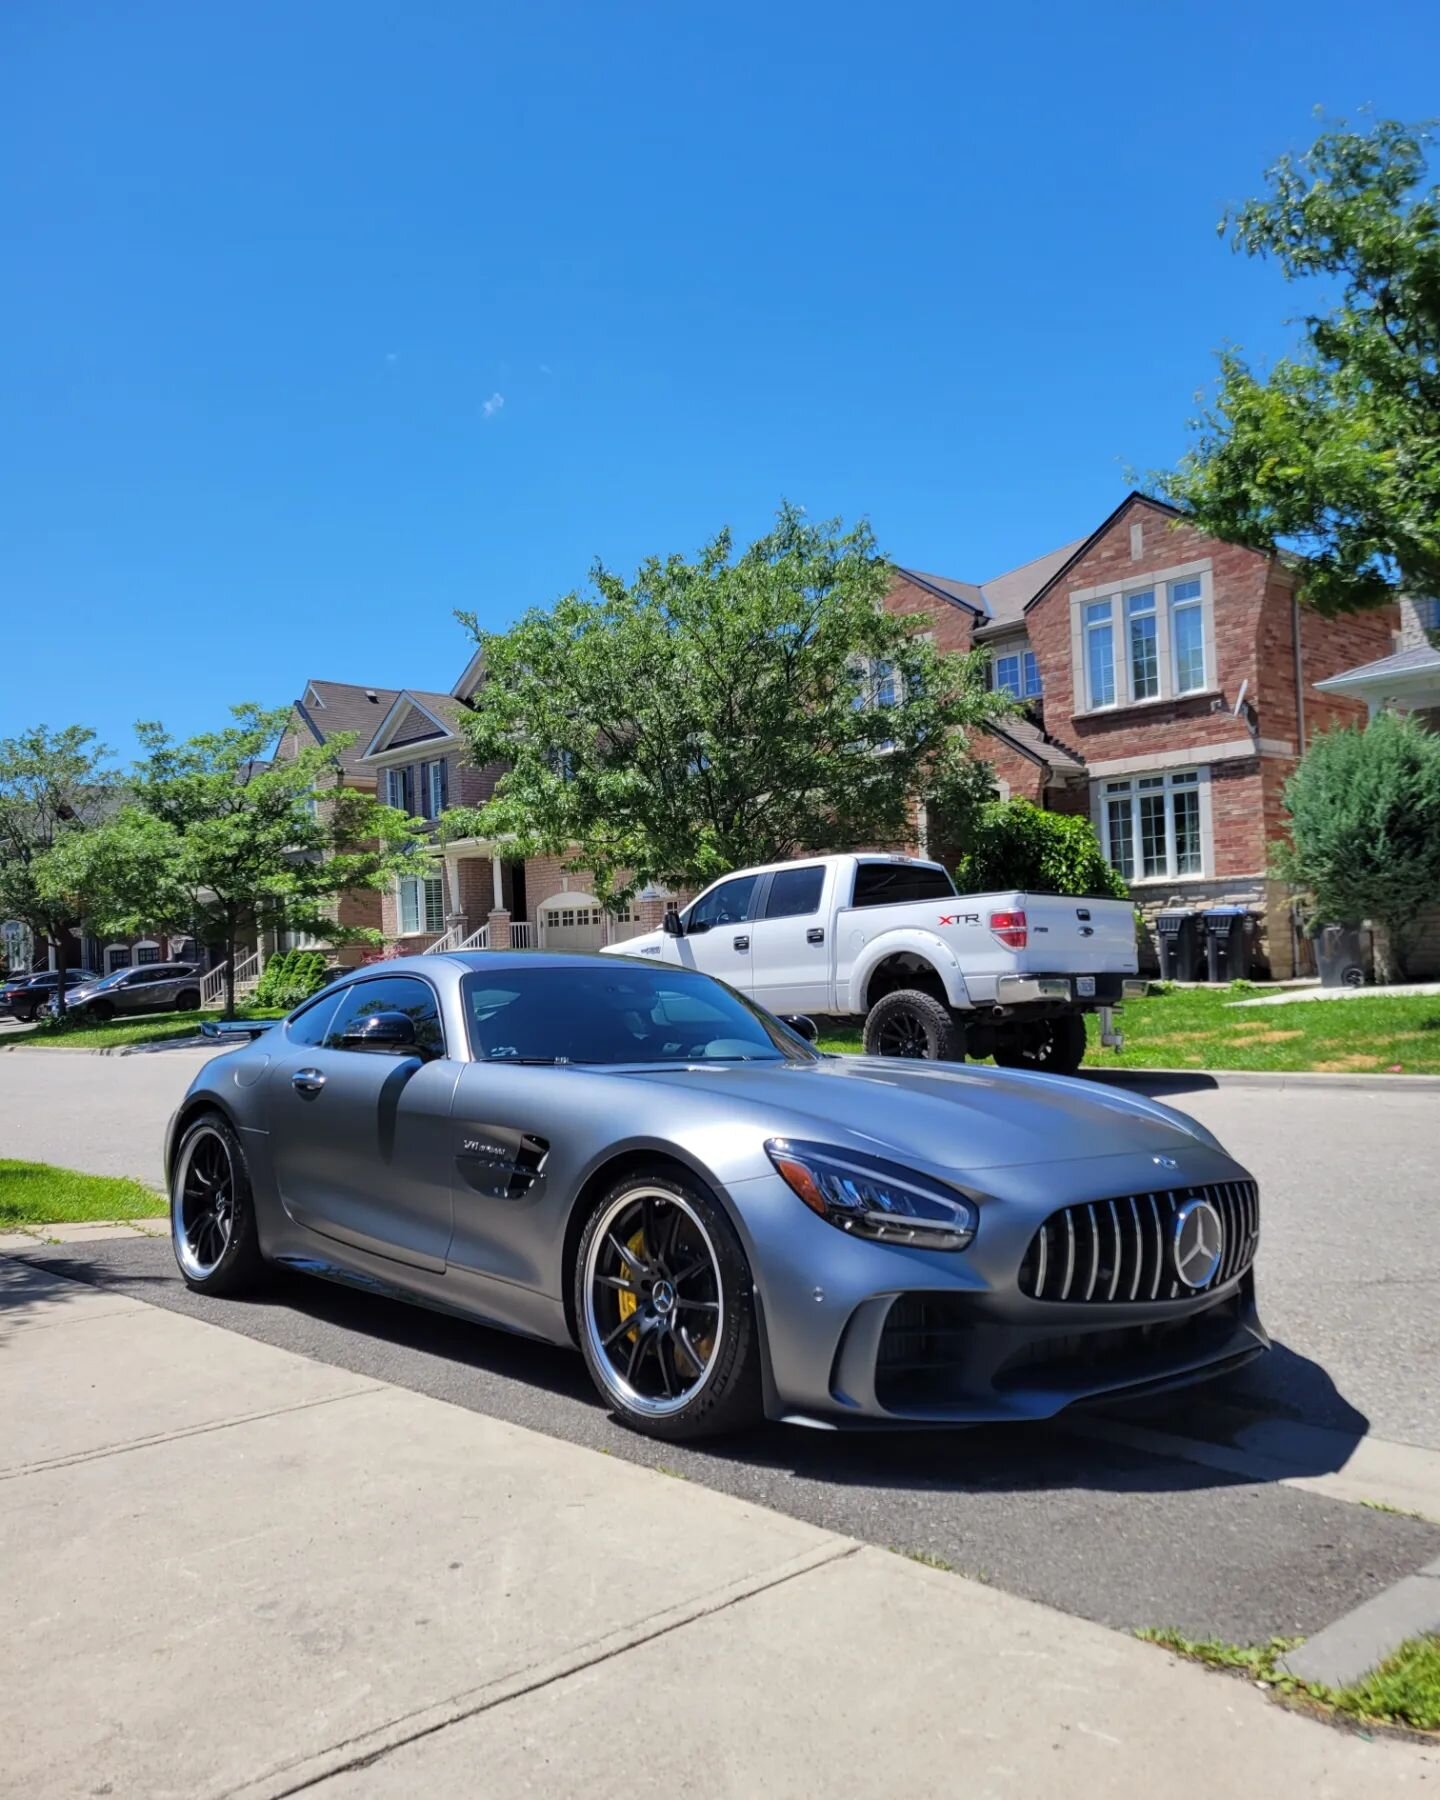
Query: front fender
(929,946)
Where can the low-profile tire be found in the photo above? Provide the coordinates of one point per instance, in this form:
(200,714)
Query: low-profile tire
(212,1210)
(913,1024)
(1052,1047)
(101,1009)
(188,1001)
(26,1015)
(665,1310)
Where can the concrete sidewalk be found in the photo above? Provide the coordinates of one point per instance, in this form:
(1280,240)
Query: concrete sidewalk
(231,1571)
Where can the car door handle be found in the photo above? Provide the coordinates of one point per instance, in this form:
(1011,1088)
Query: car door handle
(307,1081)
(815,935)
(742,943)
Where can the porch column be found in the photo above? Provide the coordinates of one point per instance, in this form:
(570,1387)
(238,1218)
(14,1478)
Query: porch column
(499,883)
(456,910)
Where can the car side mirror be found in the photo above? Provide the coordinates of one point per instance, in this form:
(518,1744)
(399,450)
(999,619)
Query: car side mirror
(388,1032)
(673,925)
(802,1025)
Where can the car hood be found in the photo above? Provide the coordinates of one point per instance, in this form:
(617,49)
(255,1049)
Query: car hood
(948,1117)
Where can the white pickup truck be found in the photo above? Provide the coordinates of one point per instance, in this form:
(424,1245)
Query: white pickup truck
(933,973)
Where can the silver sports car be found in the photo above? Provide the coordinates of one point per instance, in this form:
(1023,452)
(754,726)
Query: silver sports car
(634,1159)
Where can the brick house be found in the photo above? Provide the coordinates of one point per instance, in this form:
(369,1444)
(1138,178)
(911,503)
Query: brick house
(480,893)
(1171,682)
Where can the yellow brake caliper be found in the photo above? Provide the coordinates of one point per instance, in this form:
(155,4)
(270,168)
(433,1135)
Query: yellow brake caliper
(630,1302)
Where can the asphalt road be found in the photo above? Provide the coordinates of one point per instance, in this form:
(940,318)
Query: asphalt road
(1116,1532)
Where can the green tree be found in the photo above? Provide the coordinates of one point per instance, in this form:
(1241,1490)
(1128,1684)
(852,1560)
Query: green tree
(223,842)
(1364,809)
(733,709)
(54,792)
(1336,451)
(1016,844)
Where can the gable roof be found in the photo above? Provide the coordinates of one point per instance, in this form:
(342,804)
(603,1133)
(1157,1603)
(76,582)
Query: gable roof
(442,711)
(330,707)
(1133,498)
(1001,600)
(959,593)
(1026,737)
(1420,661)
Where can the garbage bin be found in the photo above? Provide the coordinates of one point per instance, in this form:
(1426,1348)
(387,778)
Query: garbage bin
(1229,942)
(1344,955)
(1177,933)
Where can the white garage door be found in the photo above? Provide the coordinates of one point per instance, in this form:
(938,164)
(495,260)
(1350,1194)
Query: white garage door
(572,922)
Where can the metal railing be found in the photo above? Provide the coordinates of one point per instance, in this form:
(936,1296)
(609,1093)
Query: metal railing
(247,978)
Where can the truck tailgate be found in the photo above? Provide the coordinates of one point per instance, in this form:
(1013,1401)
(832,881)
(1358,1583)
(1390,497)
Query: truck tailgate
(1077,937)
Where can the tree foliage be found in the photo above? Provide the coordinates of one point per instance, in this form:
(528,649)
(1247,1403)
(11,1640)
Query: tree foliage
(1364,807)
(222,842)
(1336,452)
(54,791)
(733,709)
(1015,845)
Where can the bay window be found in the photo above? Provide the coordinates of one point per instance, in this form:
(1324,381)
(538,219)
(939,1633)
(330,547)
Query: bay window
(422,904)
(1151,825)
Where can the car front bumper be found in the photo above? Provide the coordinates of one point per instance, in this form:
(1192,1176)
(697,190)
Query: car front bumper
(868,1334)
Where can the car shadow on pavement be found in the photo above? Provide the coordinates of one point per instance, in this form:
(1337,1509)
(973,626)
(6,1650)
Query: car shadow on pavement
(546,1388)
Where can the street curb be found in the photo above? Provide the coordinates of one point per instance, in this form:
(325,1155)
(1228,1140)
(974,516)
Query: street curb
(1191,1080)
(1349,1648)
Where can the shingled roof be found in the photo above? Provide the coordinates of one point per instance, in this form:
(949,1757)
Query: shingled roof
(332,707)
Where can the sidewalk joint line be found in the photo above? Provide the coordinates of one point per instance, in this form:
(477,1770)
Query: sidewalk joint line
(188,1431)
(517,1686)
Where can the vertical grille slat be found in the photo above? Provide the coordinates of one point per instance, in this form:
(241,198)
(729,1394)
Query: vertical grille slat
(1099,1251)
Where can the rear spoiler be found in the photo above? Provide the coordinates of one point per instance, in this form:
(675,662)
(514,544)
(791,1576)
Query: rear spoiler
(230,1028)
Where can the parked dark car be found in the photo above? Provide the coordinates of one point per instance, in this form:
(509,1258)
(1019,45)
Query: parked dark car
(152,987)
(27,997)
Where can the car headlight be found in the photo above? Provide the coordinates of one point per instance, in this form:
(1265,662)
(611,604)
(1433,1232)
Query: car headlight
(875,1199)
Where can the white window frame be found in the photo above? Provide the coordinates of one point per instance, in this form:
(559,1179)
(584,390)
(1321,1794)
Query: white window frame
(144,944)
(420,907)
(1026,663)
(1166,782)
(435,787)
(1116,598)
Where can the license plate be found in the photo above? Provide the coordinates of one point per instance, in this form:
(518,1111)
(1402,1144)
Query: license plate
(1085,986)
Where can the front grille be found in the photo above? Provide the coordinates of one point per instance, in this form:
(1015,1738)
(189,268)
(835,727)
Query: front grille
(1123,1250)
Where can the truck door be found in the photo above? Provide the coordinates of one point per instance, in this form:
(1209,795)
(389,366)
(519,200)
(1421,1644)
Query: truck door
(789,943)
(717,932)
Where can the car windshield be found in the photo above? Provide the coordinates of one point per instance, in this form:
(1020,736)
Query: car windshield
(112,980)
(619,1013)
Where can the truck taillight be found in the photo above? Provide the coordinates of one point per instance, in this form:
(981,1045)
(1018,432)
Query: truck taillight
(1011,929)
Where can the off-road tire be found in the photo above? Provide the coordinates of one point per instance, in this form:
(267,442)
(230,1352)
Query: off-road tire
(911,1017)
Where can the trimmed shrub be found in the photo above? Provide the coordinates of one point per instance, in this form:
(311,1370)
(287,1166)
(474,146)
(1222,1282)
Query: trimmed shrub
(290,977)
(1016,845)
(1364,810)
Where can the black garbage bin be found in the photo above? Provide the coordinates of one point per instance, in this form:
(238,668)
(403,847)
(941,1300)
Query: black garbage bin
(1229,942)
(1344,955)
(1177,933)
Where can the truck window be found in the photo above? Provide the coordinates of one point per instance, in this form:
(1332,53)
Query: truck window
(887,884)
(728,904)
(795,891)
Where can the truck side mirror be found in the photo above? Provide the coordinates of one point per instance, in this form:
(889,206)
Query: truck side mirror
(672,925)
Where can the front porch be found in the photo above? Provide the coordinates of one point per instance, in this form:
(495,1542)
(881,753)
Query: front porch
(482,898)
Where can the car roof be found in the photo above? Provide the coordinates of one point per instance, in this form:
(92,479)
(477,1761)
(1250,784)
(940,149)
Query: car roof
(491,961)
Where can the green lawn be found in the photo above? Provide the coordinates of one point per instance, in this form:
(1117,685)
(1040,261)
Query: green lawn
(37,1194)
(1195,1028)
(1404,1690)
(144,1028)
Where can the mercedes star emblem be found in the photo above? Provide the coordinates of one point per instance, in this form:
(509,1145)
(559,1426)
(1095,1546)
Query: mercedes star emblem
(1199,1243)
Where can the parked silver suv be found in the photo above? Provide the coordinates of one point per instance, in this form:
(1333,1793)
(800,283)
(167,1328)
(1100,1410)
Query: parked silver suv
(152,987)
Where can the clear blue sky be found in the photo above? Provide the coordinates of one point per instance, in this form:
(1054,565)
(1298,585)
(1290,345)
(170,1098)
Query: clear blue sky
(271,266)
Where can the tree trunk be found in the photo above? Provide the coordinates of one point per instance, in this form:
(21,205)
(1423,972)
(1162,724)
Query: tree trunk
(61,941)
(1392,950)
(228,1010)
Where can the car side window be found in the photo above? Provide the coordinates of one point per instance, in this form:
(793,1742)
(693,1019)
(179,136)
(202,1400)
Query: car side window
(390,993)
(728,904)
(309,1026)
(794,892)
